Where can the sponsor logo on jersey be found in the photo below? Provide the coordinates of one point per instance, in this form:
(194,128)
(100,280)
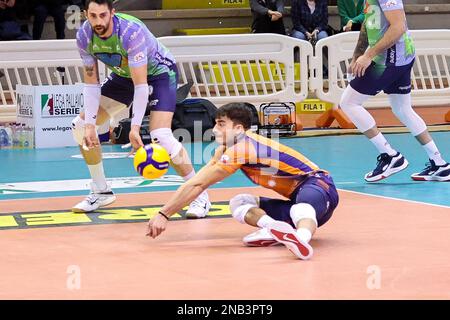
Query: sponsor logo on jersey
(224,158)
(391,3)
(405,87)
(139,56)
(392,54)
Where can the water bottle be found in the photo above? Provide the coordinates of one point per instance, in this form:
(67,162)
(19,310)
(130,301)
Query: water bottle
(15,136)
(10,136)
(26,137)
(23,143)
(31,137)
(3,138)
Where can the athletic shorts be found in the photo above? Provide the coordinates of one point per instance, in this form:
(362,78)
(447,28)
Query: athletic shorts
(390,79)
(118,92)
(318,191)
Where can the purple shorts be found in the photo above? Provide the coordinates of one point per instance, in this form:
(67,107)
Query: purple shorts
(318,191)
(163,90)
(390,79)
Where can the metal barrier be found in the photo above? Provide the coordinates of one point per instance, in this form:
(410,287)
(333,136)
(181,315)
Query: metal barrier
(430,75)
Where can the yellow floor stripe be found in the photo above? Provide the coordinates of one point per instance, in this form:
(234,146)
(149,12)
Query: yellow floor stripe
(60,218)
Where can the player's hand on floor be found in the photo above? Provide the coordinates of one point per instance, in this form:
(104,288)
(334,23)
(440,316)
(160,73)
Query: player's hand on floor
(156,226)
(90,139)
(135,138)
(361,64)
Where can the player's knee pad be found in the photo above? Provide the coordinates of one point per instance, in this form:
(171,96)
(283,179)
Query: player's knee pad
(78,130)
(351,103)
(240,204)
(165,138)
(401,107)
(302,211)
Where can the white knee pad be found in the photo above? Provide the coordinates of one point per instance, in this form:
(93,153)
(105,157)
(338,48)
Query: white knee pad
(78,130)
(302,211)
(165,138)
(401,107)
(351,103)
(240,204)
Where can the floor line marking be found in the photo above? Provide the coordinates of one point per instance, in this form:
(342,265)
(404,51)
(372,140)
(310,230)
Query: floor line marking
(392,198)
(252,187)
(132,193)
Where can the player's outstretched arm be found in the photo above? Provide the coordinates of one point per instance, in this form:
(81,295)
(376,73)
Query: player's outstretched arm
(140,99)
(189,191)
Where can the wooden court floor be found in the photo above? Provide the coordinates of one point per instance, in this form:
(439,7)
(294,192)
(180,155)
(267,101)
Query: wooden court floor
(372,248)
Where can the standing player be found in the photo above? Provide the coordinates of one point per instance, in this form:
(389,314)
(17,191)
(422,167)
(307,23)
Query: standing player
(386,66)
(142,69)
(310,190)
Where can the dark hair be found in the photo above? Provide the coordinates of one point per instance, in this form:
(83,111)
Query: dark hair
(109,3)
(237,112)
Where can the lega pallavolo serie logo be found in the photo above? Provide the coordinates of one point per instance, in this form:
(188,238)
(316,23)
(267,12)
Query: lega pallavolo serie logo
(61,105)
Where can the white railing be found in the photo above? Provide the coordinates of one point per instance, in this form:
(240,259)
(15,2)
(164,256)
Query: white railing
(223,69)
(248,67)
(37,63)
(430,75)
(251,67)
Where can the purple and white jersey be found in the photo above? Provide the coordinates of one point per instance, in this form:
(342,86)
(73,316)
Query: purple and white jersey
(403,51)
(130,45)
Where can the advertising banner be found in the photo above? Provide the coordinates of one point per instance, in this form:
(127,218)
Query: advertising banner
(50,110)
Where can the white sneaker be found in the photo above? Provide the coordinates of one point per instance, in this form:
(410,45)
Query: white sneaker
(96,199)
(433,172)
(285,234)
(199,208)
(260,238)
(386,166)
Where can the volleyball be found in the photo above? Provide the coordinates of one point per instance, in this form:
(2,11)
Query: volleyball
(151,161)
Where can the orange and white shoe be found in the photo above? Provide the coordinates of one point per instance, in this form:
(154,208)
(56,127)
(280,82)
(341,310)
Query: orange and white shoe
(287,235)
(260,238)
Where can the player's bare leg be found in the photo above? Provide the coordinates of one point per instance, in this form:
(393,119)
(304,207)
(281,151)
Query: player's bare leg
(101,194)
(160,124)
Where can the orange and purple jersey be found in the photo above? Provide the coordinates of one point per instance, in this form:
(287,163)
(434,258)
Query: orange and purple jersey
(268,163)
